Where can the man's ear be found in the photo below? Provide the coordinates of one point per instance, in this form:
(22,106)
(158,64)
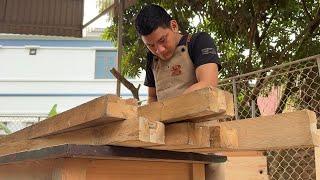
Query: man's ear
(174,26)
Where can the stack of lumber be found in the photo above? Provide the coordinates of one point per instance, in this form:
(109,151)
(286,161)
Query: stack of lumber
(188,123)
(191,124)
(105,120)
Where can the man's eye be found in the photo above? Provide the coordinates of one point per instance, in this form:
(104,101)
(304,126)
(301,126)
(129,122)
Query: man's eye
(162,40)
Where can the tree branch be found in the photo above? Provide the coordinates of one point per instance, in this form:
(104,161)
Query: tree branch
(306,10)
(287,92)
(126,83)
(266,27)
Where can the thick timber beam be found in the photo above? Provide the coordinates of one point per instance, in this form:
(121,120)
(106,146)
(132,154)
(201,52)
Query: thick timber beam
(207,102)
(132,133)
(280,131)
(105,109)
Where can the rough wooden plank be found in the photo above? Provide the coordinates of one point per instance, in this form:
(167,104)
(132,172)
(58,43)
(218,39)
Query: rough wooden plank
(70,168)
(95,169)
(287,130)
(221,139)
(139,170)
(239,168)
(105,109)
(33,170)
(207,102)
(133,132)
(185,135)
(191,137)
(198,171)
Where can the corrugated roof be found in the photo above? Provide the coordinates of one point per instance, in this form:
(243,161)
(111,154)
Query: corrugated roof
(42,17)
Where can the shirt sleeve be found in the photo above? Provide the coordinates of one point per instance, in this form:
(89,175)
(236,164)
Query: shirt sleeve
(203,50)
(149,79)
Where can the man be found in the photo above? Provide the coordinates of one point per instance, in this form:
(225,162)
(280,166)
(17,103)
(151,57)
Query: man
(176,63)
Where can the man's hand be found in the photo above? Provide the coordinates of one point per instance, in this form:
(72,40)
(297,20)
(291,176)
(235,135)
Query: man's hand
(207,76)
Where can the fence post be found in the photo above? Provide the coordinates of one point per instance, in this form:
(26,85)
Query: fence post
(318,62)
(253,108)
(235,99)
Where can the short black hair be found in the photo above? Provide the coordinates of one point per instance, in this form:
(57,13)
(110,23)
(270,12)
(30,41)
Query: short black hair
(150,18)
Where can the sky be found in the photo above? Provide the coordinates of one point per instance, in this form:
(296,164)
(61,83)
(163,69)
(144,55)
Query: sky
(90,11)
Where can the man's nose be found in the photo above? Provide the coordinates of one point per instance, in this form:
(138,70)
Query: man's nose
(160,49)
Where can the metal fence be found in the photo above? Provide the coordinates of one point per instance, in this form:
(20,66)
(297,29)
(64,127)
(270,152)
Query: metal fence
(283,88)
(14,122)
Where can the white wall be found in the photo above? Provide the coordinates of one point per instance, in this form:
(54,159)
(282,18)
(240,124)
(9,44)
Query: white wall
(37,97)
(32,84)
(47,64)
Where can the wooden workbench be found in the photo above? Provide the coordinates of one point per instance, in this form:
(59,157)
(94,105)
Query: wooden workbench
(86,162)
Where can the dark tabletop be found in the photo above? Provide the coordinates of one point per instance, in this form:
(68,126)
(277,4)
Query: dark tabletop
(109,152)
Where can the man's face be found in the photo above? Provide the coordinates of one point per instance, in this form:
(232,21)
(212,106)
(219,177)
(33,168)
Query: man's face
(162,42)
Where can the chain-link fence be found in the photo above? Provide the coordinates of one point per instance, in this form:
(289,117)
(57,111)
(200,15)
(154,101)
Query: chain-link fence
(14,122)
(284,88)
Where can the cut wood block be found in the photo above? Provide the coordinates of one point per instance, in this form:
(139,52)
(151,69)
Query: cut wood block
(132,133)
(281,131)
(207,102)
(105,109)
(239,168)
(221,139)
(185,135)
(190,137)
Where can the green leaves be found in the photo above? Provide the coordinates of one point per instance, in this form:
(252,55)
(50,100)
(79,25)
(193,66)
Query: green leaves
(271,32)
(5,128)
(53,111)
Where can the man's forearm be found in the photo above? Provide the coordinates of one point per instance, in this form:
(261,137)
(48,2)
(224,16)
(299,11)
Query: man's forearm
(199,85)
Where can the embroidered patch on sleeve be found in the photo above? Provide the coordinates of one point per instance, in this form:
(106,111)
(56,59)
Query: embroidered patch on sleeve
(208,51)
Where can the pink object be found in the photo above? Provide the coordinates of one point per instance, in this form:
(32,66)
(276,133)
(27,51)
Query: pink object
(268,105)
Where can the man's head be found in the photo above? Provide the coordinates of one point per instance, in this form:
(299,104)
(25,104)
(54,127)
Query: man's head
(158,31)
